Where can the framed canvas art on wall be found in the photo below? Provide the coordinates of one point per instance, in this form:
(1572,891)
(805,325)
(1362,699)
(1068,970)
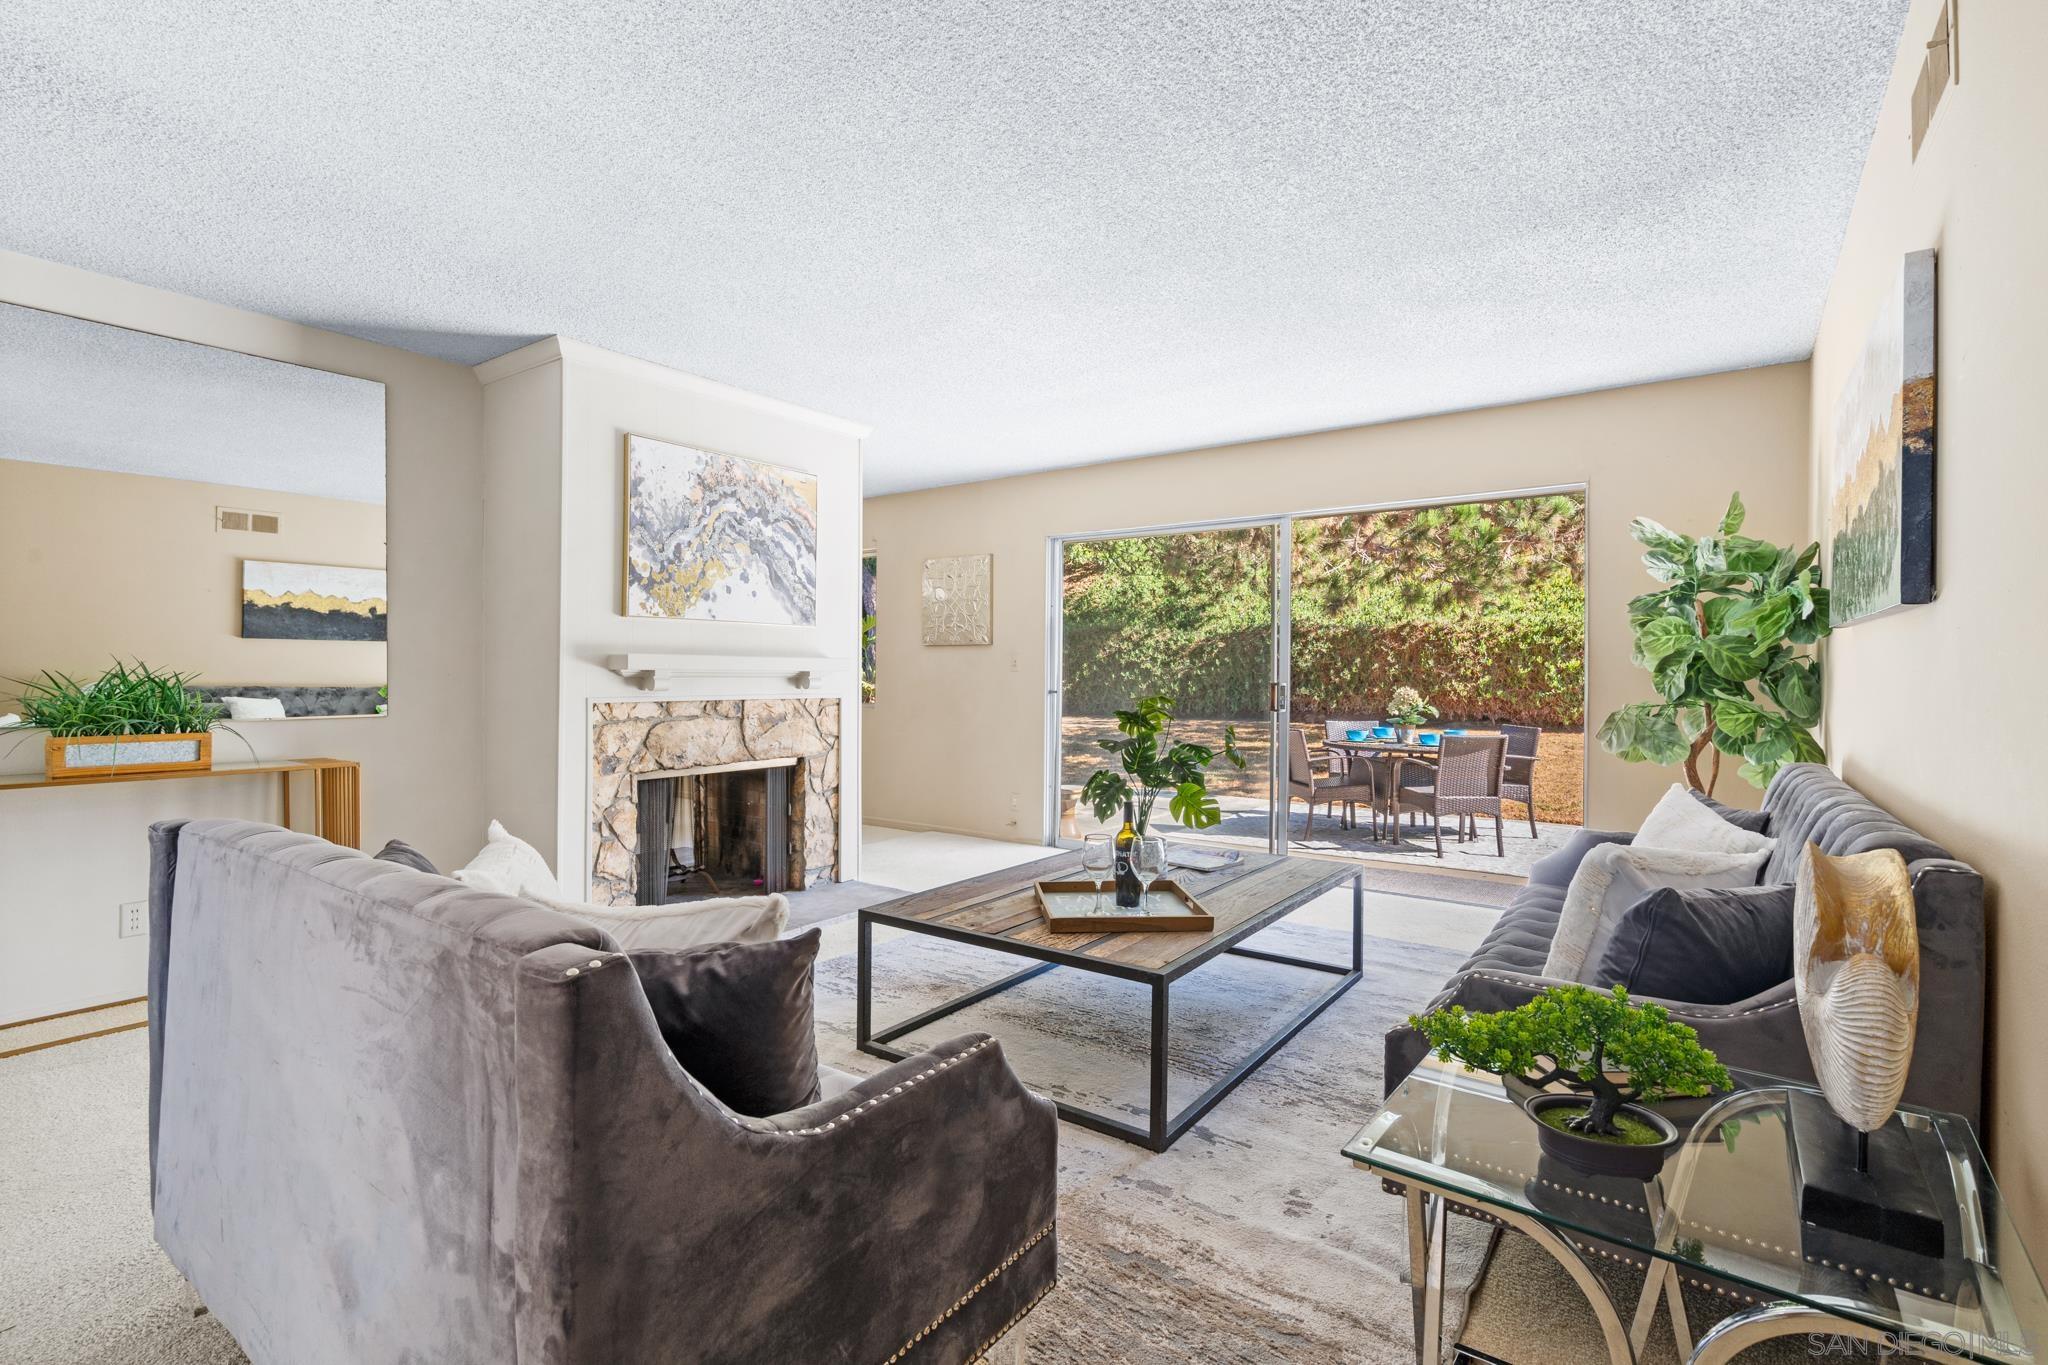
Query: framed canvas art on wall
(1880,532)
(283,601)
(958,601)
(713,537)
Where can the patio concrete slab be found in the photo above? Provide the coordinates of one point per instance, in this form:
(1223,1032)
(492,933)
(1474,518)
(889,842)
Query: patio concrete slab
(1244,826)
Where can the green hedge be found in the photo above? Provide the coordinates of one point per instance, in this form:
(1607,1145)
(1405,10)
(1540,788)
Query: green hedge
(1480,607)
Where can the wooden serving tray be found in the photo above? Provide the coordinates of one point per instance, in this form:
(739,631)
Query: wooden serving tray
(1064,905)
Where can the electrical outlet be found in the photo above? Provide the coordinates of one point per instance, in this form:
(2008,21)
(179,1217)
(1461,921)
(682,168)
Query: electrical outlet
(134,920)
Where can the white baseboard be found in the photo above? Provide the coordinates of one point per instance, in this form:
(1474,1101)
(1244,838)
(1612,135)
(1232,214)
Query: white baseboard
(913,827)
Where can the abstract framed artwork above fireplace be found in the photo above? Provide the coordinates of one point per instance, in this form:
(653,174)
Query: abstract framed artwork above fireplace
(725,758)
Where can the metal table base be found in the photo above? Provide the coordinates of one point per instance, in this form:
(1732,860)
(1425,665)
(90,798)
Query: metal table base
(1164,1126)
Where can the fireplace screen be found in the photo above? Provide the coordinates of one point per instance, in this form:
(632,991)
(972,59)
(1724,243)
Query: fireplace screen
(727,834)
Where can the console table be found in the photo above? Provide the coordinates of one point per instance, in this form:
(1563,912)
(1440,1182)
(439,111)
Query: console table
(337,789)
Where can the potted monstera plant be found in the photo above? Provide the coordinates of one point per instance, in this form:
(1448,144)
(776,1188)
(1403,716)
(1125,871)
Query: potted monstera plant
(1151,764)
(1615,1056)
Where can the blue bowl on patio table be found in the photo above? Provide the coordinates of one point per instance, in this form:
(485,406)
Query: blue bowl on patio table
(1431,740)
(1382,732)
(1354,734)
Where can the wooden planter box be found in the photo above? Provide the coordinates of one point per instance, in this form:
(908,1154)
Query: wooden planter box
(119,755)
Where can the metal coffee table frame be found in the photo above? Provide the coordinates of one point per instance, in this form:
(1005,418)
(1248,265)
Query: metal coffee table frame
(1164,1127)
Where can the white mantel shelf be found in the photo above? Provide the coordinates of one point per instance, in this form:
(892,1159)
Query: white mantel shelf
(656,672)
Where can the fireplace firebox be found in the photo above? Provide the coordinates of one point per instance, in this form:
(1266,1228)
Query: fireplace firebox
(719,832)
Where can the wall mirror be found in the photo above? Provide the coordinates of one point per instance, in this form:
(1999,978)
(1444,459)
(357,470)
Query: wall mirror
(196,510)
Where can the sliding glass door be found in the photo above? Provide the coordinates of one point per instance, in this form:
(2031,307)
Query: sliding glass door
(1190,615)
(1298,631)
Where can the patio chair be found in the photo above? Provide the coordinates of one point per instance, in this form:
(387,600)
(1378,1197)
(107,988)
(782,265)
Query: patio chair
(1466,781)
(1337,729)
(1304,784)
(1518,782)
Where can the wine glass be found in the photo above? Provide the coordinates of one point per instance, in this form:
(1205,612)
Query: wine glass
(1148,861)
(1098,856)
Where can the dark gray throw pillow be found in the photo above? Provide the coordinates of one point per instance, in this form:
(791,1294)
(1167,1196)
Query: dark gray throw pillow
(1560,865)
(1703,945)
(737,1016)
(1755,821)
(399,851)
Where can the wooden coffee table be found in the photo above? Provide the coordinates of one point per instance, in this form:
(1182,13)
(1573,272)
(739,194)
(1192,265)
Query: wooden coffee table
(1000,911)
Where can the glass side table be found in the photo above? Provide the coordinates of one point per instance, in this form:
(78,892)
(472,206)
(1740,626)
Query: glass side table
(1723,1215)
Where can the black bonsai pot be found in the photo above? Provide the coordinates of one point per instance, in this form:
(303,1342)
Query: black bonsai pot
(1636,1160)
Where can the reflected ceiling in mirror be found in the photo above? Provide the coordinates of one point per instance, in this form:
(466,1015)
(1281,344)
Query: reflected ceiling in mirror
(150,486)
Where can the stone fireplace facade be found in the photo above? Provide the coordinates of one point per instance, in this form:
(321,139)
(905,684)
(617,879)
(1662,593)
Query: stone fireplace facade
(634,739)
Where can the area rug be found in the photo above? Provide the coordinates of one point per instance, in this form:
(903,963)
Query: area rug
(1530,1312)
(1252,1239)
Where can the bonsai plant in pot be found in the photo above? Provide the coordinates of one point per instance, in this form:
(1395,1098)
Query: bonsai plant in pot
(1582,1037)
(1408,709)
(130,719)
(1151,763)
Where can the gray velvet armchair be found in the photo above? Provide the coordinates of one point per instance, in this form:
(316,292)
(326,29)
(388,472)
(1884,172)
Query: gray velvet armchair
(396,1119)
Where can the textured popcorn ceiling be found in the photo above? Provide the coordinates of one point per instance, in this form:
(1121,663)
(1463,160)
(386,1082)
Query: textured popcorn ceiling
(91,396)
(1012,236)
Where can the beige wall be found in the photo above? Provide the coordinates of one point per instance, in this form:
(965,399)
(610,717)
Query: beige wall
(132,566)
(955,737)
(69,858)
(1974,658)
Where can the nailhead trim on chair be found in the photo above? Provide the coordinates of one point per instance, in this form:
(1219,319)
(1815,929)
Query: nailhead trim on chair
(1015,1318)
(868,1104)
(979,1285)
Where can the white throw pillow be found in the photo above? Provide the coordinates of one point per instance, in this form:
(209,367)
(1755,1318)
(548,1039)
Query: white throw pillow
(1615,876)
(688,924)
(510,866)
(253,708)
(1682,820)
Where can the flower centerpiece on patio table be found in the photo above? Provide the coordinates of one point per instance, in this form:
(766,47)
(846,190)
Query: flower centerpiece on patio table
(1408,709)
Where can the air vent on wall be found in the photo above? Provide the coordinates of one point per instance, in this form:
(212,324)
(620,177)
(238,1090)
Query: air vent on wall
(1939,69)
(240,519)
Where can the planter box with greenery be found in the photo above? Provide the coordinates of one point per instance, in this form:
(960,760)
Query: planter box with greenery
(132,719)
(1583,1038)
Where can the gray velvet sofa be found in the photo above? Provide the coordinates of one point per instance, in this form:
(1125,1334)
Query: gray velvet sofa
(1806,803)
(394,1119)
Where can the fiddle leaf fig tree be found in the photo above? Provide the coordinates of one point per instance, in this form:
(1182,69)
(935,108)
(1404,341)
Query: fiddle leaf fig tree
(1728,642)
(1153,764)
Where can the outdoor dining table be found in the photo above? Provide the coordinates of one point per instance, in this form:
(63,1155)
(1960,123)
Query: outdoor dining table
(1389,748)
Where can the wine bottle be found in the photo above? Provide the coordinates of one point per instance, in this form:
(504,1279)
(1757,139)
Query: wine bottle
(1129,892)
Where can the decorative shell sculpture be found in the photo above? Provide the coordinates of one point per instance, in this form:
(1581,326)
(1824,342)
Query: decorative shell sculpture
(1856,969)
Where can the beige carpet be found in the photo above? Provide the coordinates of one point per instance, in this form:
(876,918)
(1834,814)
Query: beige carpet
(1253,1240)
